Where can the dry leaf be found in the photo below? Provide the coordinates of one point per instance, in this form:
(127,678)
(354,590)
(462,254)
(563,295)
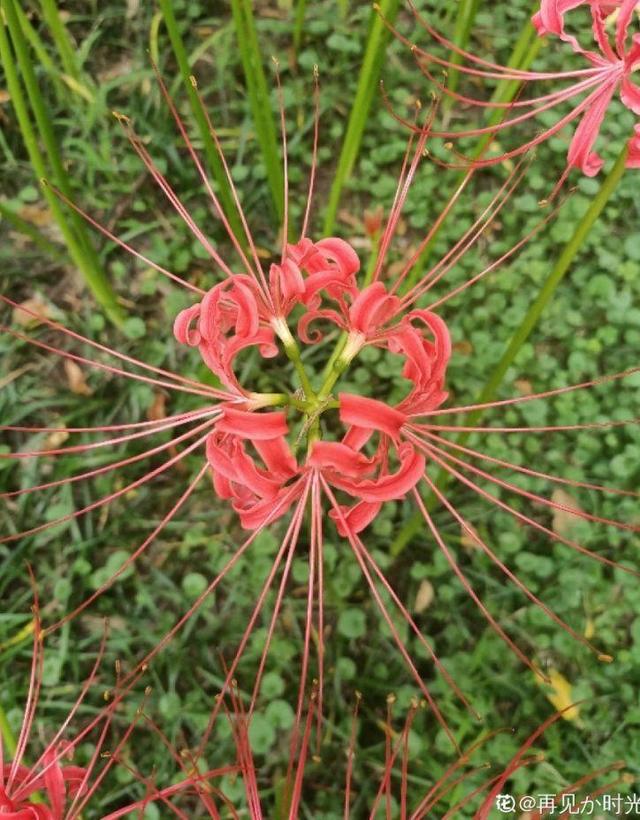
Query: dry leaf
(4,96)
(424,596)
(14,374)
(524,387)
(559,693)
(157,411)
(39,311)
(563,520)
(55,439)
(38,215)
(465,347)
(75,379)
(469,538)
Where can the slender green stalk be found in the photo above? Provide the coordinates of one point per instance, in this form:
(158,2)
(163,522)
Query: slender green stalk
(259,96)
(77,241)
(467,10)
(298,23)
(211,152)
(555,277)
(61,39)
(377,38)
(8,739)
(26,228)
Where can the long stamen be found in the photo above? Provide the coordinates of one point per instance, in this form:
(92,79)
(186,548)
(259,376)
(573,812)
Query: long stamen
(113,496)
(106,232)
(314,150)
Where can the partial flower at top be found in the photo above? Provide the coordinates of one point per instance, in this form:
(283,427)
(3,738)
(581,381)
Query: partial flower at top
(309,446)
(612,65)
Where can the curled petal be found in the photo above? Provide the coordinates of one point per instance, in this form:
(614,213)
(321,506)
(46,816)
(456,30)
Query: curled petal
(372,308)
(355,519)
(253,514)
(630,94)
(339,253)
(255,426)
(287,284)
(370,414)
(336,283)
(550,19)
(230,459)
(277,457)
(633,155)
(182,329)
(332,455)
(627,8)
(580,154)
(316,336)
(392,486)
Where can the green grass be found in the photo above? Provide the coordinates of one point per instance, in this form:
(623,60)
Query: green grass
(591,326)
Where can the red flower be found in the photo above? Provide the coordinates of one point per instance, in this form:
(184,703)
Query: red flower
(612,64)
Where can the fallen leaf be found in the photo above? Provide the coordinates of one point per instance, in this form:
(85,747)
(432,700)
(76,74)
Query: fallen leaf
(4,96)
(157,410)
(75,379)
(559,692)
(524,387)
(469,538)
(55,439)
(563,520)
(31,312)
(424,596)
(38,215)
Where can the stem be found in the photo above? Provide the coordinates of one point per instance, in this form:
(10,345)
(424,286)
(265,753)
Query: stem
(298,24)
(377,38)
(213,160)
(555,277)
(78,243)
(467,10)
(293,354)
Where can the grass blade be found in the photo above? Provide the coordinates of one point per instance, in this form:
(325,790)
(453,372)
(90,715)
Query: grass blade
(377,38)
(259,96)
(213,160)
(61,39)
(467,11)
(78,243)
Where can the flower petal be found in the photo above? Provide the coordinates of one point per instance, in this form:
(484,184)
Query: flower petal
(370,414)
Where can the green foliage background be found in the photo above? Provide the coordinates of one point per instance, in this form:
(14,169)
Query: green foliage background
(591,327)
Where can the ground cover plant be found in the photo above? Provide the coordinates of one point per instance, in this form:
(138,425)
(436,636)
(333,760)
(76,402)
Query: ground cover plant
(330,527)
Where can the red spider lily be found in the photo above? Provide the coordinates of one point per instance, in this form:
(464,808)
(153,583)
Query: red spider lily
(51,788)
(477,783)
(251,449)
(611,68)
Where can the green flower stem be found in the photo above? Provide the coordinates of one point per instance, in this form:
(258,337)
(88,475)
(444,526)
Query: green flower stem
(293,354)
(377,38)
(211,152)
(78,244)
(467,10)
(555,277)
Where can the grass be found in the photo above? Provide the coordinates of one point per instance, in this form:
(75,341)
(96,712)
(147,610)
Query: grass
(591,326)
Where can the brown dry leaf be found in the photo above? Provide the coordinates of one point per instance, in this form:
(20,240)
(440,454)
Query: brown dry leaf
(4,96)
(563,520)
(14,374)
(469,538)
(119,69)
(37,306)
(424,596)
(524,387)
(158,409)
(75,379)
(465,348)
(55,439)
(38,215)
